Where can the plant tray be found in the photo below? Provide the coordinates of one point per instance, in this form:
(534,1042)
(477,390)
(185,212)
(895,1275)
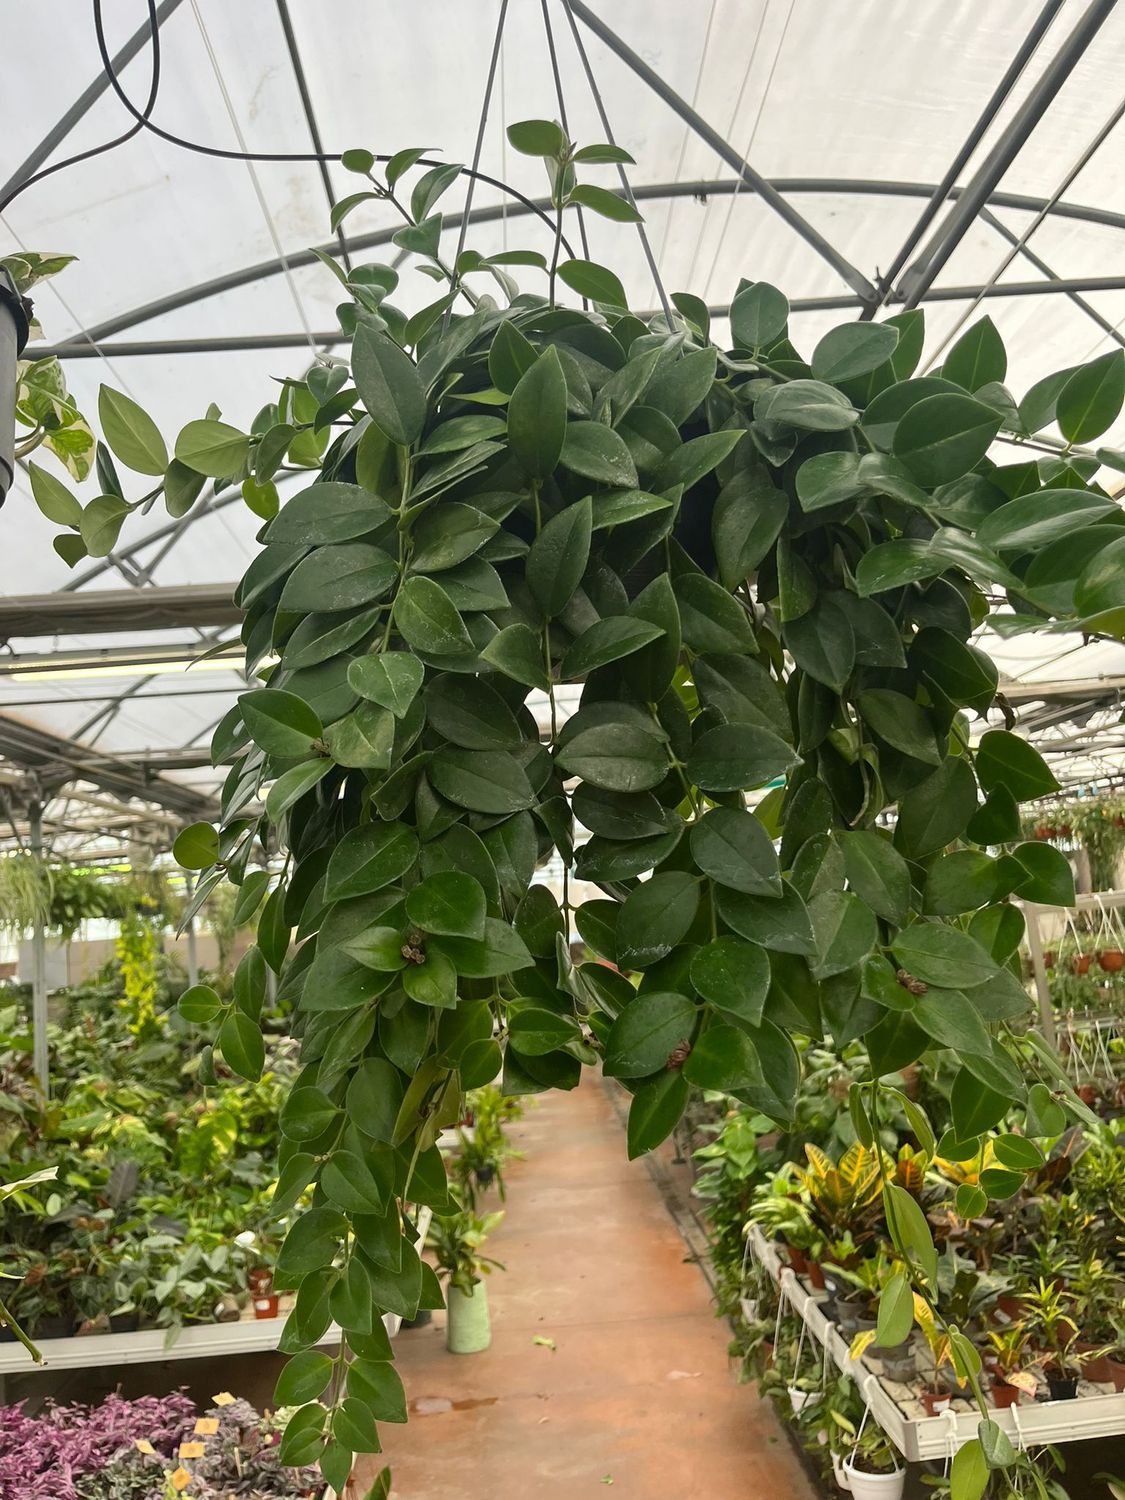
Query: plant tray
(1075,1421)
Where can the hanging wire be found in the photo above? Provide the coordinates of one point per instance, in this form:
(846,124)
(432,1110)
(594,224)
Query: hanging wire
(463,231)
(563,121)
(687,131)
(1079,165)
(749,144)
(596,92)
(255,180)
(145,123)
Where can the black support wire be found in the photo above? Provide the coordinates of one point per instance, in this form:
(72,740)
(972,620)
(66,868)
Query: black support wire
(563,121)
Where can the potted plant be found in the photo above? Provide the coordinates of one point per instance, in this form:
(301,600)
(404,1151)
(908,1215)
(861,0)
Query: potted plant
(1056,1334)
(871,1471)
(1005,1358)
(937,1397)
(456,1240)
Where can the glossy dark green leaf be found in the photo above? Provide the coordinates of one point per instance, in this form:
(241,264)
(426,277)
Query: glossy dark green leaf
(733,975)
(758,316)
(518,652)
(655,1111)
(428,620)
(559,555)
(655,917)
(370,857)
(1092,398)
(590,280)
(470,713)
(537,416)
(487,781)
(449,902)
(328,512)
(737,757)
(853,349)
(943,956)
(844,932)
(944,436)
(731,846)
(1004,759)
(977,358)
(646,1032)
(388,385)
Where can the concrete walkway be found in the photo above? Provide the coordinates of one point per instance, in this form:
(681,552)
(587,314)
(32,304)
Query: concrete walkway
(635,1397)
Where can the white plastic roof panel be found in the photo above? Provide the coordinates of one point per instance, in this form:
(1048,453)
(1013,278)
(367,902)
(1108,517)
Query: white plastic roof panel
(854,109)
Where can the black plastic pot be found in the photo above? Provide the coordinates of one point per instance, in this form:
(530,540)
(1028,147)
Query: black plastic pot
(124,1322)
(53,1328)
(485,1176)
(423,1320)
(13,336)
(1062,1389)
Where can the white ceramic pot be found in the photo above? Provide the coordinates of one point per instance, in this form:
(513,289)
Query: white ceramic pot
(839,1474)
(874,1486)
(798,1398)
(749,1306)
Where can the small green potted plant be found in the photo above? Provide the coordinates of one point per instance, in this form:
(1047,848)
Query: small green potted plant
(456,1240)
(871,1470)
(1007,1357)
(1056,1335)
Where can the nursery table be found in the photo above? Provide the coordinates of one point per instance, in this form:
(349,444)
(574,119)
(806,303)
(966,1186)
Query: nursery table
(938,1437)
(249,1335)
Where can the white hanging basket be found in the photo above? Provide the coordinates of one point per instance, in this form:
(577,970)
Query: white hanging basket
(839,1472)
(798,1398)
(874,1486)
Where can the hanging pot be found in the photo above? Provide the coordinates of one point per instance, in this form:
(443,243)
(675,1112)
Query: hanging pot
(749,1307)
(875,1486)
(798,1399)
(839,1473)
(468,1329)
(1049,959)
(1112,960)
(1080,963)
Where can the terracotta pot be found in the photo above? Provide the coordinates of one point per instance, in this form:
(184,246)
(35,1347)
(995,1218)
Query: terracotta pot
(1087,1093)
(1041,832)
(797,1259)
(816,1276)
(1049,959)
(1080,963)
(1004,1395)
(1098,1369)
(1012,1308)
(1112,960)
(267,1306)
(936,1402)
(260,1281)
(1116,1373)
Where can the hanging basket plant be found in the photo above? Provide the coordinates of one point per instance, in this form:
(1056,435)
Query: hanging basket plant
(760,569)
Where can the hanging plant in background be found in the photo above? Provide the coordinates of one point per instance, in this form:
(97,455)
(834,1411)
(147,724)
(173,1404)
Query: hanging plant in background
(764,567)
(138,950)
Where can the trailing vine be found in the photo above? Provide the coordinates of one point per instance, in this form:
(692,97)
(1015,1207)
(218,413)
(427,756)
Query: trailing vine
(765,569)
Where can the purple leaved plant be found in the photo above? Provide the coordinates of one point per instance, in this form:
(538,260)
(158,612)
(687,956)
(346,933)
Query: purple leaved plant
(42,1456)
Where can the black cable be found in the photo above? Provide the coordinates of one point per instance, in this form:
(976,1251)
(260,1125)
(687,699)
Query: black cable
(141,117)
(308,156)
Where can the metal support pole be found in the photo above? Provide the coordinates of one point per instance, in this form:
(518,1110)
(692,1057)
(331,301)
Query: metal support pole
(726,152)
(192,952)
(953,228)
(1042,987)
(40,1055)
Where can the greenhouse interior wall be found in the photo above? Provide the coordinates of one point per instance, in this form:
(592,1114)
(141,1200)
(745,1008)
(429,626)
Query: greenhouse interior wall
(562,769)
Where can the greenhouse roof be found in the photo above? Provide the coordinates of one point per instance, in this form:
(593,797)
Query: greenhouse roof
(952,155)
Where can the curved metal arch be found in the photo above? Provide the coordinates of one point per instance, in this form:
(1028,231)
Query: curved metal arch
(703,188)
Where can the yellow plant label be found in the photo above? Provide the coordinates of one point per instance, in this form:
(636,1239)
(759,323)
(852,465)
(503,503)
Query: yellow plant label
(143,1445)
(224,1398)
(207,1426)
(192,1450)
(180,1479)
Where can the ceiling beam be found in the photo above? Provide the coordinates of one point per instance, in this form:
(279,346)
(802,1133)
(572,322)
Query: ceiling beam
(105,611)
(493,212)
(1095,688)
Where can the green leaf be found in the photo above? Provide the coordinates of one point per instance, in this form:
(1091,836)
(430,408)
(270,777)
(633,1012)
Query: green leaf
(363,739)
(823,644)
(470,713)
(844,930)
(828,479)
(303,1439)
(358,160)
(348,1181)
(388,385)
(429,188)
(616,757)
(733,975)
(518,652)
(1092,398)
(605,641)
(901,722)
(448,534)
(378,1386)
(307,1113)
(131,433)
(807,406)
(758,316)
(943,956)
(375,1097)
(1032,522)
(1050,878)
(968,1476)
(646,1032)
(534,1032)
(337,578)
(1003,759)
(593,281)
(737,757)
(449,902)
(782,924)
(711,620)
(951,1020)
(896,1312)
(391,679)
(558,556)
(537,138)
(935,812)
(199,1005)
(598,453)
(292,785)
(977,358)
(370,857)
(327,512)
(212,448)
(196,847)
(877,873)
(603,154)
(354,1427)
(610,205)
(486,781)
(537,416)
(304,1377)
(910,1231)
(101,523)
(944,436)
(853,349)
(731,847)
(501,951)
(655,1111)
(428,620)
(53,498)
(280,723)
(240,1042)
(655,917)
